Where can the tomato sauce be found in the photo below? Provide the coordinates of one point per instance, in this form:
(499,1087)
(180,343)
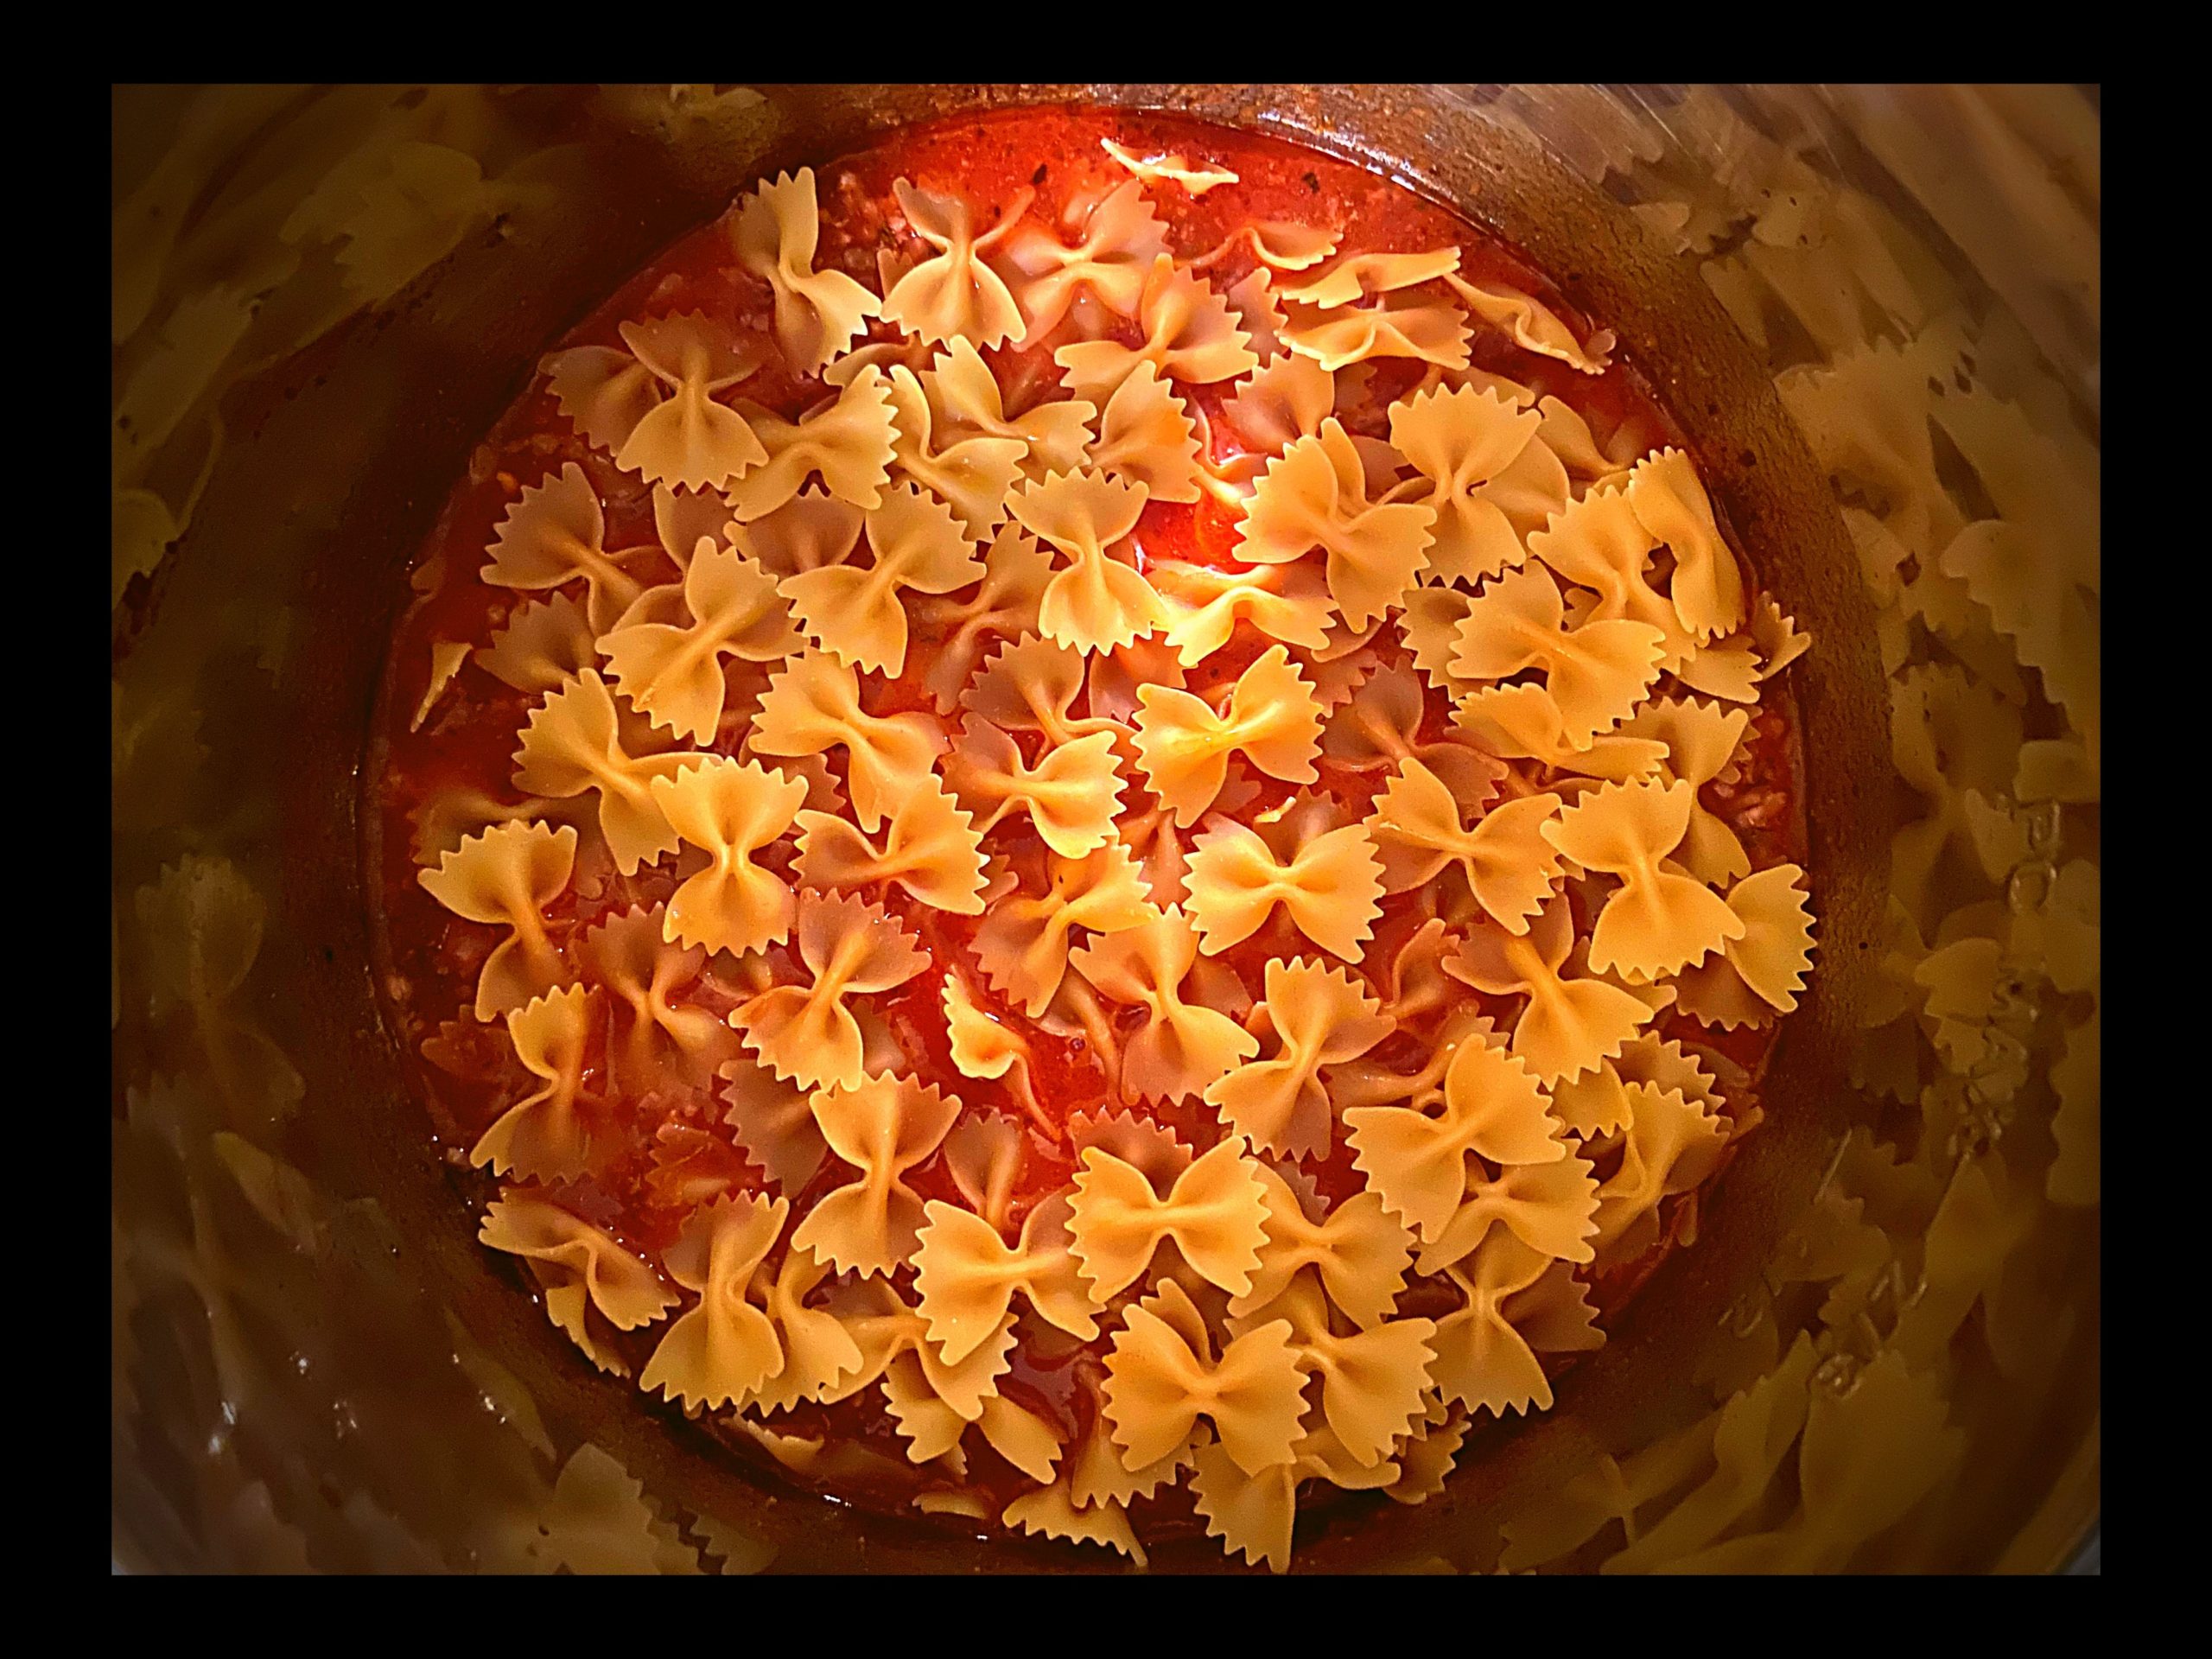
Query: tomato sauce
(673,1150)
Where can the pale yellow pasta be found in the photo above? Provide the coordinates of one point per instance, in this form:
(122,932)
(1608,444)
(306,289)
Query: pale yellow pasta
(547,1134)
(849,949)
(882,1126)
(855,612)
(578,741)
(506,876)
(731,811)
(554,534)
(1316,1016)
(1331,887)
(774,232)
(1189,336)
(954,294)
(666,652)
(654,407)
(1184,747)
(814,705)
(583,1270)
(1214,1211)
(1096,602)
(1183,1048)
(1315,497)
(725,1347)
(1118,239)
(932,849)
(1071,796)
(850,441)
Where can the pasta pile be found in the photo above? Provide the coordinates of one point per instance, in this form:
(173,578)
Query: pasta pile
(1260,986)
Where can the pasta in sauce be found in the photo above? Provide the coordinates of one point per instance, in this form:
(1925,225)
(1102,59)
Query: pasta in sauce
(1089,831)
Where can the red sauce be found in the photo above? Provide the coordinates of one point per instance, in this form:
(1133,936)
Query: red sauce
(674,1147)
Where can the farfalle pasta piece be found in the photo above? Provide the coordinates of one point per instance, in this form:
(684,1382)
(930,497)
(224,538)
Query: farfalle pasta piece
(1189,336)
(1171,168)
(812,529)
(653,406)
(725,1347)
(1372,1379)
(1147,437)
(730,810)
(1118,241)
(1756,975)
(575,742)
(966,1276)
(1672,1145)
(984,1046)
(774,232)
(1023,943)
(1251,301)
(814,705)
(1281,403)
(1050,1512)
(1515,1303)
(1570,1022)
(932,849)
(1160,1382)
(1254,1515)
(1184,747)
(854,611)
(1215,1212)
(583,1269)
(819,1356)
(1316,1016)
(627,954)
(1006,602)
(1315,495)
(882,1126)
(1071,796)
(954,294)
(546,1136)
(1096,602)
(849,949)
(1509,863)
(970,471)
(666,652)
(1357,275)
(1358,1253)
(1379,727)
(1524,722)
(1534,325)
(772,1122)
(850,441)
(1330,888)
(556,533)
(1661,920)
(1596,673)
(1183,1048)
(1493,482)
(1289,603)
(1707,586)
(1032,686)
(963,393)
(506,876)
(1493,1107)
(1395,325)
(1701,740)
(543,643)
